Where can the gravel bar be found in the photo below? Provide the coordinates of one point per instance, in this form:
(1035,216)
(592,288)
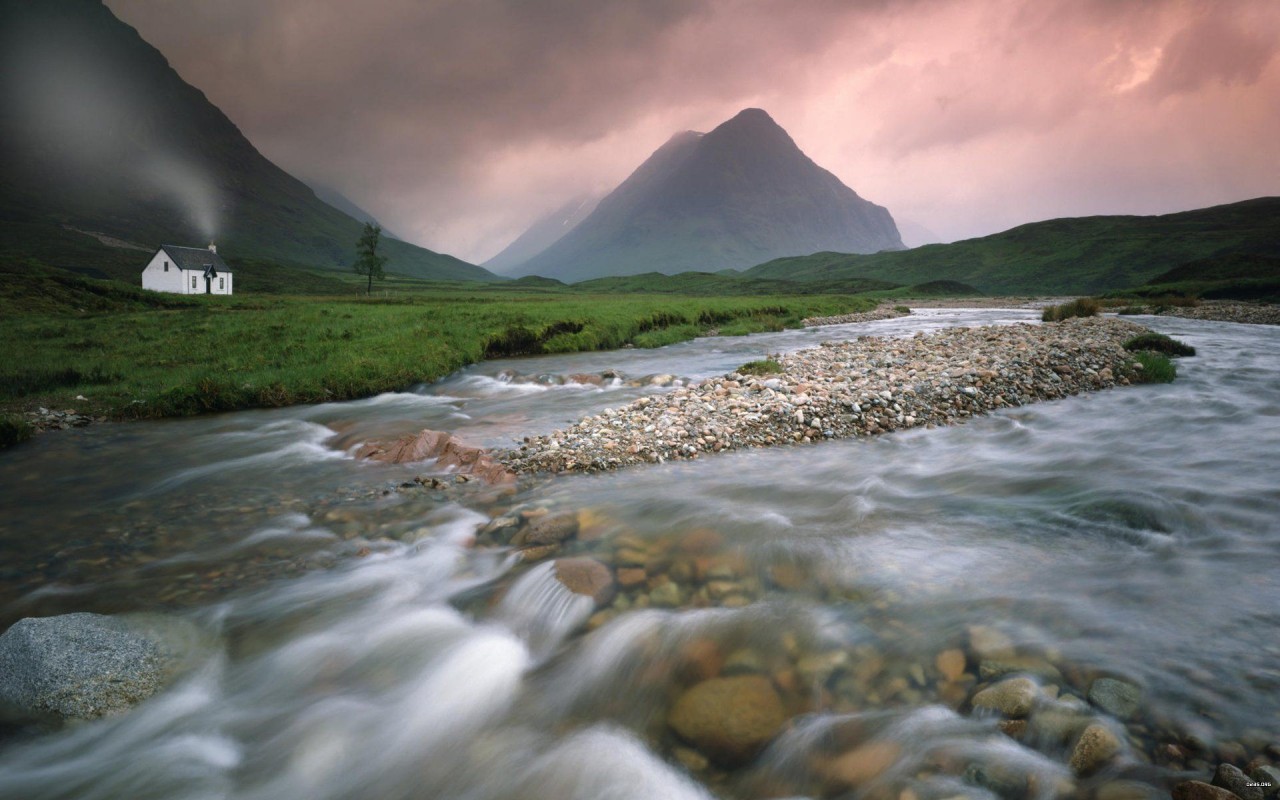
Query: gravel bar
(863,387)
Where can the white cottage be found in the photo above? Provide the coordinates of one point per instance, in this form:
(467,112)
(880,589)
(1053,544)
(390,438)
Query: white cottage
(187,270)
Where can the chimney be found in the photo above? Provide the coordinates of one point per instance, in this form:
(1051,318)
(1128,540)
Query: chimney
(213,248)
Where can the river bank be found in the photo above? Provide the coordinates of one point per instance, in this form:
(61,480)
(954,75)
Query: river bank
(843,389)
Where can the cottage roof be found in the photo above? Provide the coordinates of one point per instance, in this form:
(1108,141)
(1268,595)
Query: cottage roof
(196,258)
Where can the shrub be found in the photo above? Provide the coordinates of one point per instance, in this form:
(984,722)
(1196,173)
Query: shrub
(1155,368)
(902,309)
(1159,343)
(14,429)
(35,381)
(1080,307)
(766,367)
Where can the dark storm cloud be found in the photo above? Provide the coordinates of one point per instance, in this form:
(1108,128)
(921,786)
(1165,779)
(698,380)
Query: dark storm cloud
(458,122)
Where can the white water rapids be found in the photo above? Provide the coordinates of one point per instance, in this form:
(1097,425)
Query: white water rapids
(1134,531)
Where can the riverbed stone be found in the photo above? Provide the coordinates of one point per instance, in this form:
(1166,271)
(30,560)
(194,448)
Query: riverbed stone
(1269,775)
(950,664)
(1199,790)
(729,719)
(667,595)
(85,666)
(1118,698)
(1096,747)
(992,668)
(550,529)
(862,765)
(586,576)
(1012,697)
(1233,780)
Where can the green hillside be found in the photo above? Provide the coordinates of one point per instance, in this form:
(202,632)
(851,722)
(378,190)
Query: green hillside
(1234,276)
(1086,255)
(103,140)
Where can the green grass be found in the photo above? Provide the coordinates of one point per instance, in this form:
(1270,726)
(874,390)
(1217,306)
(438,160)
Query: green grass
(14,429)
(1156,368)
(765,367)
(1080,307)
(189,355)
(902,309)
(1159,343)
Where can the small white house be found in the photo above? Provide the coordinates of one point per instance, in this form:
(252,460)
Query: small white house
(187,270)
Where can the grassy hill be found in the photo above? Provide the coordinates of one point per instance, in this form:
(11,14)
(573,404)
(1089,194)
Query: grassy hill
(1234,276)
(1086,255)
(105,153)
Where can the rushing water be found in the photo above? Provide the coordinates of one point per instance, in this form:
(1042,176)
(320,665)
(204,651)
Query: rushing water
(366,648)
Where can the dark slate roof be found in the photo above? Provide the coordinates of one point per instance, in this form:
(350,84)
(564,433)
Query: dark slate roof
(197,258)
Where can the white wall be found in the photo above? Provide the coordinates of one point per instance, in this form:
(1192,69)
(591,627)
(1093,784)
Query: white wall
(157,280)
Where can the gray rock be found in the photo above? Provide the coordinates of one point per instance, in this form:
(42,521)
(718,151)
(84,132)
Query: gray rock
(85,666)
(1116,697)
(1234,781)
(1269,775)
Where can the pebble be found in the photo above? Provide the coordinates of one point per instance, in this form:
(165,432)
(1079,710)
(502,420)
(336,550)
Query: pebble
(941,378)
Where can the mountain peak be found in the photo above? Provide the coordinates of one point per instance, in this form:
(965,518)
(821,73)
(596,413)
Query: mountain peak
(737,196)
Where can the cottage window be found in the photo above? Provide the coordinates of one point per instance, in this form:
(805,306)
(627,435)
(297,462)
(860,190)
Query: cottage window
(222,283)
(166,266)
(193,281)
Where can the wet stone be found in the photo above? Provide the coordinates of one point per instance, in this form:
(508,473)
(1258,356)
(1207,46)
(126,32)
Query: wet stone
(1096,747)
(1116,697)
(1233,780)
(586,576)
(729,719)
(550,529)
(1014,697)
(1199,790)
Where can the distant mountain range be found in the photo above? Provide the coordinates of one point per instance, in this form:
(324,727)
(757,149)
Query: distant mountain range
(730,198)
(1082,255)
(548,230)
(104,145)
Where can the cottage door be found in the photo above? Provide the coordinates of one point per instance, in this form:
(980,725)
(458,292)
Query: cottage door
(208,285)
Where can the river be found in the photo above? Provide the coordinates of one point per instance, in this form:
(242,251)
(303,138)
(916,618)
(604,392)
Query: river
(363,648)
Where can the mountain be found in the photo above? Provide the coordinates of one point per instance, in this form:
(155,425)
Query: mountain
(331,196)
(726,199)
(548,230)
(1082,255)
(105,145)
(914,234)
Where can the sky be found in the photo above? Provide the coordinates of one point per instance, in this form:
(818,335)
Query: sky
(459,122)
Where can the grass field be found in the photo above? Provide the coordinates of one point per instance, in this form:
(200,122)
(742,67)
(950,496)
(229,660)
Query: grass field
(136,354)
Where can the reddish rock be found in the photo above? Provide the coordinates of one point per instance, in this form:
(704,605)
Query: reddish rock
(586,576)
(448,452)
(863,764)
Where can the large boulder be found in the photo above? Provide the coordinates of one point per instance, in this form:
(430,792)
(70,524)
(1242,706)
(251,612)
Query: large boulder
(84,666)
(729,719)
